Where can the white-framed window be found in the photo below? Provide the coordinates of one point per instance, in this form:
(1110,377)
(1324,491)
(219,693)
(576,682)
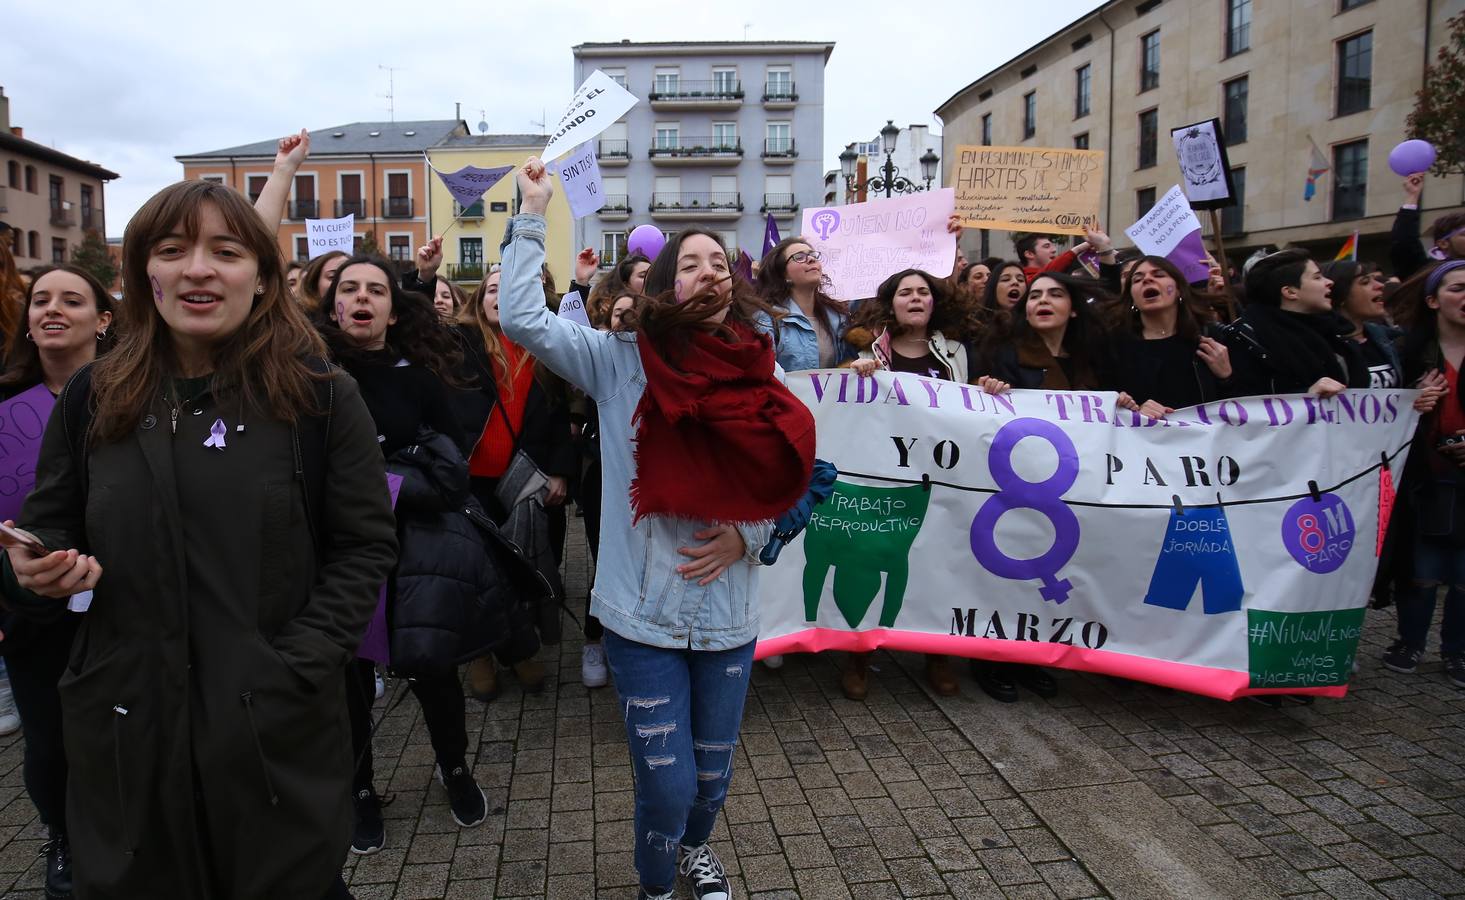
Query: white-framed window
(724,191)
(254,185)
(616,75)
(614,187)
(351,194)
(302,247)
(668,79)
(725,80)
(668,190)
(304,197)
(611,244)
(725,134)
(397,200)
(780,83)
(668,135)
(470,251)
(780,137)
(399,246)
(778,184)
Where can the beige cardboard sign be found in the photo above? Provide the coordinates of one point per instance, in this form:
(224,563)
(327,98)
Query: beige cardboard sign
(1042,189)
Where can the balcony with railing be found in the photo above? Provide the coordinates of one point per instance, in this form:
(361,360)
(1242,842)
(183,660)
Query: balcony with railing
(679,94)
(473,211)
(702,206)
(355,208)
(91,218)
(782,206)
(468,271)
(398,208)
(304,209)
(697,151)
(779,151)
(62,216)
(612,153)
(617,207)
(779,94)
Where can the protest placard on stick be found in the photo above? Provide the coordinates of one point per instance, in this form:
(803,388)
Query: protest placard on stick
(1028,188)
(594,108)
(580,175)
(324,236)
(1170,229)
(863,243)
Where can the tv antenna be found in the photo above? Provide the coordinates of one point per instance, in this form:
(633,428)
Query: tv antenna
(746,26)
(543,117)
(391,93)
(483,121)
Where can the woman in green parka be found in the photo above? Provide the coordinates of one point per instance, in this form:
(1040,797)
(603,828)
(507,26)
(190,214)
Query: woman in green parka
(221,492)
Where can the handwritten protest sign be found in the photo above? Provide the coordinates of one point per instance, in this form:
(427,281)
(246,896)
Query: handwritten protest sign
(1028,188)
(22,422)
(572,307)
(470,183)
(594,108)
(580,174)
(328,235)
(1170,229)
(863,243)
(375,644)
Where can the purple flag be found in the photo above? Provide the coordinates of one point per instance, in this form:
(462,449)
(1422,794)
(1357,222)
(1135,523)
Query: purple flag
(470,183)
(770,235)
(744,266)
(1190,257)
(374,644)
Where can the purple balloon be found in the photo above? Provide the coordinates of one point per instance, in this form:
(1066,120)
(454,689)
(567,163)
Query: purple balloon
(646,240)
(1411,157)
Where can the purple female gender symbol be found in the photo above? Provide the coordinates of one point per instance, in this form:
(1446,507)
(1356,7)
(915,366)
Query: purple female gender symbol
(825,221)
(1046,497)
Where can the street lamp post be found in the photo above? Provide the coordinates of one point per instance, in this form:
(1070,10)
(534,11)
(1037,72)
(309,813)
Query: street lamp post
(890,180)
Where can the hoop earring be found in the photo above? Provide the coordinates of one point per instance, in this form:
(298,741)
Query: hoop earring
(102,335)
(30,337)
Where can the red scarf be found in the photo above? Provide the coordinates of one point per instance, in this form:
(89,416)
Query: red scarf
(718,438)
(496,445)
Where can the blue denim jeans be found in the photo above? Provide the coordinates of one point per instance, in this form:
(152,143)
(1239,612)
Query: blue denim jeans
(1436,562)
(683,709)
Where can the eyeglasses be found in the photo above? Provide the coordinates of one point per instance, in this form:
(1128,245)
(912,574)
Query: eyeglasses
(806,256)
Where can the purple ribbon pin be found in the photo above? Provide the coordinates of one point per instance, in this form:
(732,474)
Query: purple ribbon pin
(216,435)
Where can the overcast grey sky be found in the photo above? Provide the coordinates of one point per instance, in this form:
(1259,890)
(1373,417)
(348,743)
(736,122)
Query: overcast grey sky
(130,86)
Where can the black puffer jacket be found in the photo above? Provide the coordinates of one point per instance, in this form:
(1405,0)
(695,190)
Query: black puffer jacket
(460,589)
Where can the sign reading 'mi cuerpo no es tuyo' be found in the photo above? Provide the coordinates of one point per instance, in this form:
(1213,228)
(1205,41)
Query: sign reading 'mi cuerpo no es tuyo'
(594,108)
(1028,188)
(1050,528)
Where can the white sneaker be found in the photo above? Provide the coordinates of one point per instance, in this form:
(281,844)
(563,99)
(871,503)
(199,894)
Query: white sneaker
(9,718)
(381,686)
(773,662)
(593,671)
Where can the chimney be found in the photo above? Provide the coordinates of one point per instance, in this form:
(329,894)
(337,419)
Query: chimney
(4,110)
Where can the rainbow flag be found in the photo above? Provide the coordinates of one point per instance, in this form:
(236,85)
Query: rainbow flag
(1315,170)
(1349,249)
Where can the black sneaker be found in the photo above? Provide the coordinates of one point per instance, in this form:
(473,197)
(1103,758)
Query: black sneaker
(1455,669)
(1400,657)
(703,870)
(57,851)
(995,679)
(369,833)
(1036,679)
(465,798)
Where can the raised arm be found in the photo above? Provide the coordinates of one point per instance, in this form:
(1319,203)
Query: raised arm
(291,153)
(596,362)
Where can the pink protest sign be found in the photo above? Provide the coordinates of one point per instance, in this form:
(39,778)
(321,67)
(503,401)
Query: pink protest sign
(375,644)
(865,243)
(22,422)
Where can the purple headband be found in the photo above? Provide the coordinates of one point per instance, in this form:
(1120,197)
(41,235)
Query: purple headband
(1432,283)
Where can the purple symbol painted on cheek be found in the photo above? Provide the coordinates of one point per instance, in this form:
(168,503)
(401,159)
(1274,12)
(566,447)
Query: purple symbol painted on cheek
(1319,535)
(825,221)
(341,314)
(1045,497)
(157,288)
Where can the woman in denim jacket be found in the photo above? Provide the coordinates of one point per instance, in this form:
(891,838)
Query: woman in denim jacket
(810,334)
(699,434)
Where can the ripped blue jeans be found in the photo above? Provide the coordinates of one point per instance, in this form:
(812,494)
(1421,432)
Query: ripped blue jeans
(683,710)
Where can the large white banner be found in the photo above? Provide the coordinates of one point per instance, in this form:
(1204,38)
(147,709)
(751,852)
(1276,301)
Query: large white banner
(1227,550)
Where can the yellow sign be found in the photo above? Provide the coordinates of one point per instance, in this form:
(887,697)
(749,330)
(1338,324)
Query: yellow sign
(1028,188)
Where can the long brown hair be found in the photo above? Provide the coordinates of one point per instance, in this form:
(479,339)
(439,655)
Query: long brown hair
(264,367)
(1192,308)
(493,339)
(773,287)
(670,322)
(22,359)
(878,313)
(12,289)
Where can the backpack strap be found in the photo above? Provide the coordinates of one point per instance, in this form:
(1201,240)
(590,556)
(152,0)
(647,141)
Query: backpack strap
(76,419)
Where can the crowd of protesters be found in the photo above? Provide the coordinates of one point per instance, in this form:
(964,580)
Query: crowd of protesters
(264,484)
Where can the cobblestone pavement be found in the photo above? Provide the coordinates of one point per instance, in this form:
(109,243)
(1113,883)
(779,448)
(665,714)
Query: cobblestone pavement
(1112,788)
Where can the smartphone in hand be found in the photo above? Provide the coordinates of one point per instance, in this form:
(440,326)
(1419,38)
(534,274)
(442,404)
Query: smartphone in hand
(24,540)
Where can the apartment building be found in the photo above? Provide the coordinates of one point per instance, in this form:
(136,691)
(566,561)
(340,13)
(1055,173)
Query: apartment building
(1282,77)
(50,199)
(376,171)
(725,133)
(471,235)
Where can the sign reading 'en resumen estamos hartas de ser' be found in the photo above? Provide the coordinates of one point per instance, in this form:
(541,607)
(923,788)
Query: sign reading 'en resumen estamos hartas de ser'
(1028,188)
